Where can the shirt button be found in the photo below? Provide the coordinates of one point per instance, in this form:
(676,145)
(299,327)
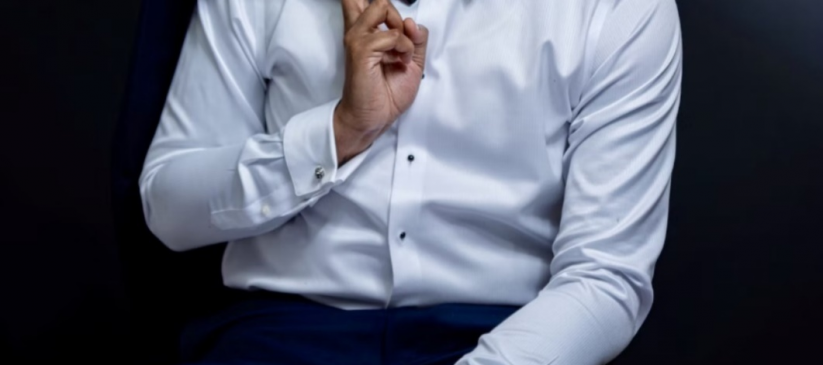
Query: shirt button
(319,172)
(402,235)
(423,77)
(410,158)
(265,210)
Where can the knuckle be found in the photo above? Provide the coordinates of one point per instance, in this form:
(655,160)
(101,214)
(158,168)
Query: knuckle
(423,29)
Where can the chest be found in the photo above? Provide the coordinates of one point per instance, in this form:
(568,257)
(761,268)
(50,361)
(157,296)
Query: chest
(490,59)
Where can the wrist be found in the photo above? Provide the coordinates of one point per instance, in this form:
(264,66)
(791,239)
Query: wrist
(348,140)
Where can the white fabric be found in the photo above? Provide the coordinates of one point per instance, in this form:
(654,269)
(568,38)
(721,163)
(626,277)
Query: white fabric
(543,138)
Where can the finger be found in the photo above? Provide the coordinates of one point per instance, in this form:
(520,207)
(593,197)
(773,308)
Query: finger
(419,35)
(393,18)
(403,49)
(392,57)
(379,12)
(390,40)
(397,57)
(352,9)
(405,46)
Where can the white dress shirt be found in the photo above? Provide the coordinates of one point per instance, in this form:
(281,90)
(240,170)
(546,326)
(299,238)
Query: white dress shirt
(533,167)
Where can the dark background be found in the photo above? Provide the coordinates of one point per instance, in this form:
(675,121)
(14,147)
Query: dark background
(740,280)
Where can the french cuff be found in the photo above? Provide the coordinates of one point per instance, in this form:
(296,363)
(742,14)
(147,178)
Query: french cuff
(310,152)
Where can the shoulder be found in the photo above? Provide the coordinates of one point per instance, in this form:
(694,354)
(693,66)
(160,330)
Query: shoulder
(647,28)
(631,17)
(245,24)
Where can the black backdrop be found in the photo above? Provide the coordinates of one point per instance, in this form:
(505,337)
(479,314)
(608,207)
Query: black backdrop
(64,65)
(740,281)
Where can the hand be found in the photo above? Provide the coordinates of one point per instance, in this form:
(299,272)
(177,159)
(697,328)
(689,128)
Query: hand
(383,73)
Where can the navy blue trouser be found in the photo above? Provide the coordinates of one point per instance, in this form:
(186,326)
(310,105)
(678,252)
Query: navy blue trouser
(280,329)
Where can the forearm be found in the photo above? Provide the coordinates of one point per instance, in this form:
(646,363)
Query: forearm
(200,196)
(577,323)
(197,198)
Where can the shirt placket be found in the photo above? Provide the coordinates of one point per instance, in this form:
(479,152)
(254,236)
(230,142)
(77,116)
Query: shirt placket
(407,184)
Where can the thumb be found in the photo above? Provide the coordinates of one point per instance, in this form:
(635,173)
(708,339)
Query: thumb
(419,35)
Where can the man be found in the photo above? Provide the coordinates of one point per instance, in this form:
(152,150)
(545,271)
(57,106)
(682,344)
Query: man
(393,191)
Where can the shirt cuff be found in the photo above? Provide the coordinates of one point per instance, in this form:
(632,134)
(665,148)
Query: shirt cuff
(310,152)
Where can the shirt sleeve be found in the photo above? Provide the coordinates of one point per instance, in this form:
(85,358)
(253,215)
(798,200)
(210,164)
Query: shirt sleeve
(621,148)
(214,173)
